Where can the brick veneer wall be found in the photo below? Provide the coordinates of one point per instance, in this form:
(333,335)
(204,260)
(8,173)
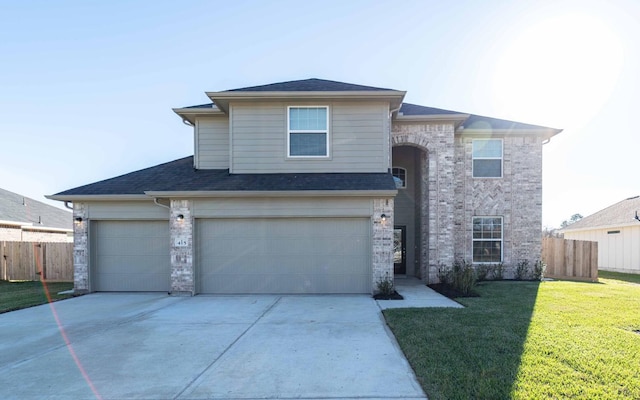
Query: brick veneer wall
(517,197)
(182,269)
(10,233)
(80,248)
(382,242)
(437,187)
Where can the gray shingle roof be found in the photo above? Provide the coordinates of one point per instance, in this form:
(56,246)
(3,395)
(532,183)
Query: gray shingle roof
(179,175)
(414,109)
(473,122)
(208,105)
(621,213)
(480,122)
(17,208)
(308,85)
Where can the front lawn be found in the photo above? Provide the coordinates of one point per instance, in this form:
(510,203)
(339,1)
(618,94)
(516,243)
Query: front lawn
(17,295)
(528,340)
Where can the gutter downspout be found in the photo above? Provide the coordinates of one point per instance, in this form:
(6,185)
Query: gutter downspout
(186,122)
(66,204)
(390,161)
(155,201)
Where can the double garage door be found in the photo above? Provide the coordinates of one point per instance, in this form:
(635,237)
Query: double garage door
(248,255)
(283,255)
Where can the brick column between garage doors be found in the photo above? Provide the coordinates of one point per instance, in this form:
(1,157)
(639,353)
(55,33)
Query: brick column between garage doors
(181,236)
(382,242)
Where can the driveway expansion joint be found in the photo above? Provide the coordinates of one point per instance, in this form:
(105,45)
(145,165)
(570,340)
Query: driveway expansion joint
(211,364)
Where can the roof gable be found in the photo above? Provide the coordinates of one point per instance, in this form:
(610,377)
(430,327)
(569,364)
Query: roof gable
(621,213)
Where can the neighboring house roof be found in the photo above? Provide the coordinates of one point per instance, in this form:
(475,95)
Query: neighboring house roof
(24,210)
(309,85)
(180,176)
(619,214)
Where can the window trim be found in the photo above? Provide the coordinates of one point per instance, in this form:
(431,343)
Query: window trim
(404,181)
(501,158)
(473,240)
(326,132)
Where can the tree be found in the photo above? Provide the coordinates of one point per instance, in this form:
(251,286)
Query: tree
(574,218)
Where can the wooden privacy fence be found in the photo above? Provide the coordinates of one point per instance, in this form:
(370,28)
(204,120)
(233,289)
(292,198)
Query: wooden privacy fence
(570,259)
(32,261)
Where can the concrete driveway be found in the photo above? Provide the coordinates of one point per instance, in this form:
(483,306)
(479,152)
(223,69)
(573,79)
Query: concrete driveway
(152,346)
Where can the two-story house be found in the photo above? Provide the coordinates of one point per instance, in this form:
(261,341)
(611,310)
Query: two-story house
(314,186)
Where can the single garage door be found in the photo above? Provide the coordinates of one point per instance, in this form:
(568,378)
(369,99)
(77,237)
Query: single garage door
(130,256)
(284,255)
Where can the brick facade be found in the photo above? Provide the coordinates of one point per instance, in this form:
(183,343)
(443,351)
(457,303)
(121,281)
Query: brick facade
(382,242)
(181,236)
(449,196)
(80,248)
(516,197)
(437,191)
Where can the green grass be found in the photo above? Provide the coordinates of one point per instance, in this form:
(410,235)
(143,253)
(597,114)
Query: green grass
(17,295)
(631,278)
(528,340)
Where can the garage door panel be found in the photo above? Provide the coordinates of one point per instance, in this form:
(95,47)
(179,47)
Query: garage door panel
(295,284)
(130,256)
(279,255)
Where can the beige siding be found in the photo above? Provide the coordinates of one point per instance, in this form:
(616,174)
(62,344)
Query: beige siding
(279,207)
(126,210)
(616,251)
(358,138)
(212,143)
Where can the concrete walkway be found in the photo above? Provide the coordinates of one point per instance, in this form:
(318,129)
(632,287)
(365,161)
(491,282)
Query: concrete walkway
(416,294)
(152,346)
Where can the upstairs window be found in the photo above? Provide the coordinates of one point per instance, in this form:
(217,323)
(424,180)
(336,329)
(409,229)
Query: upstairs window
(487,158)
(487,239)
(400,177)
(308,133)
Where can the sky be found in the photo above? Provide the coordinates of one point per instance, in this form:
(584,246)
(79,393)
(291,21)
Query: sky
(87,87)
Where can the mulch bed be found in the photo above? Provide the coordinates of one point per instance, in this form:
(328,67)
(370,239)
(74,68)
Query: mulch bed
(394,296)
(449,291)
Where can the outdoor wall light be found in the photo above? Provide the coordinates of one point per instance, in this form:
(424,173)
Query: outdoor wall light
(383,217)
(77,220)
(180,218)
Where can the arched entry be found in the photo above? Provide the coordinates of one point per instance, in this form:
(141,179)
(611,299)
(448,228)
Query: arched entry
(425,208)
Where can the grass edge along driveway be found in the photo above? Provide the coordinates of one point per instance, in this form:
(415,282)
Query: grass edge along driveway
(18,295)
(528,340)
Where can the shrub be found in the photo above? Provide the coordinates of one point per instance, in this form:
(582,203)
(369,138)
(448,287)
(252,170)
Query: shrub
(522,270)
(385,285)
(538,270)
(497,272)
(463,277)
(444,274)
(483,271)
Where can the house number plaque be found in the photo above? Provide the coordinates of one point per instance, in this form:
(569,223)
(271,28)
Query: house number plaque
(181,241)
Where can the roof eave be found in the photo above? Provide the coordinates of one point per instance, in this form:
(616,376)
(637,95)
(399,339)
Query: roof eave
(190,114)
(272,193)
(222,99)
(632,223)
(546,133)
(97,197)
